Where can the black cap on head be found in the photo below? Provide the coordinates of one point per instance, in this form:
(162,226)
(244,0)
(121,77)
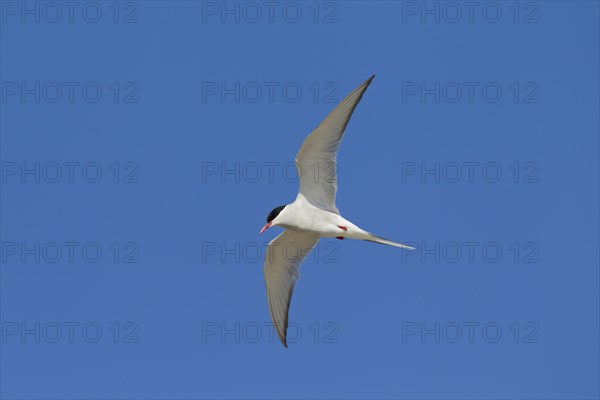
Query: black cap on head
(274,213)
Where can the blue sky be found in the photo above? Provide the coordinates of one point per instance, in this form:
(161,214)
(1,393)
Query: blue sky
(143,145)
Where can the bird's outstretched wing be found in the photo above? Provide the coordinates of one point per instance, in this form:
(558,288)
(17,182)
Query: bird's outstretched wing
(284,255)
(316,160)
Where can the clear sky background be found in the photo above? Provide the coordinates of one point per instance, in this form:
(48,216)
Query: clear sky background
(478,142)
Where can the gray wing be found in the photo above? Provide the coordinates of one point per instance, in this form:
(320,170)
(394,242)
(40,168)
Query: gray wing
(316,160)
(284,255)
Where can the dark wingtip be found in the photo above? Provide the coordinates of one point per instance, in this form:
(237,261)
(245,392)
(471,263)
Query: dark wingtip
(283,341)
(283,337)
(367,83)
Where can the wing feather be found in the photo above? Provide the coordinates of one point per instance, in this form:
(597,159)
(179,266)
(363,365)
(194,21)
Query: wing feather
(284,255)
(316,160)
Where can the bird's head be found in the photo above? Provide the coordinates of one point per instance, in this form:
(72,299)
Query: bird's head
(272,217)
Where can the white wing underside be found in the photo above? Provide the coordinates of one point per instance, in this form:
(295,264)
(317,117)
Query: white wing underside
(284,255)
(316,160)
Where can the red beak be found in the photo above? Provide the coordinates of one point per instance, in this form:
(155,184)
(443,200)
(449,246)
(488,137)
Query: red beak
(265,228)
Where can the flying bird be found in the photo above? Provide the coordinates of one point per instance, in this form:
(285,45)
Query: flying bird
(313,215)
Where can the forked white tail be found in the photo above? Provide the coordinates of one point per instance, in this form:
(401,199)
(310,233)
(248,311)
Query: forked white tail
(377,239)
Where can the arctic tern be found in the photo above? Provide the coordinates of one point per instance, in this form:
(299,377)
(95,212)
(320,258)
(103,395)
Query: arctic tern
(313,215)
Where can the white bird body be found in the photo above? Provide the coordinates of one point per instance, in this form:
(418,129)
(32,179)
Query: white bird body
(301,215)
(314,214)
